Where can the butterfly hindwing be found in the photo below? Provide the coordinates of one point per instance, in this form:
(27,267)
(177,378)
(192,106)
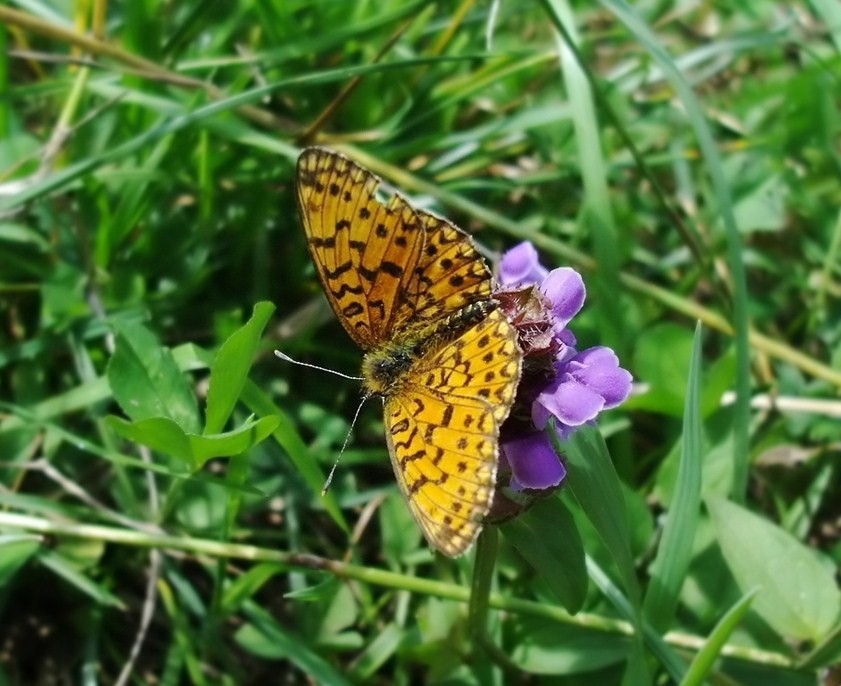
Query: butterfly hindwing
(443,426)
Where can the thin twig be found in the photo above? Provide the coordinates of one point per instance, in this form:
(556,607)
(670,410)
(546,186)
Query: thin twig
(153,576)
(146,615)
(73,489)
(309,133)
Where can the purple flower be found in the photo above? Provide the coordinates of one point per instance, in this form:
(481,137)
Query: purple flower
(558,381)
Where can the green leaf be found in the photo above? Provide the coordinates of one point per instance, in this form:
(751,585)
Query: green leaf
(797,596)
(665,375)
(146,380)
(161,434)
(547,647)
(15,552)
(547,537)
(22,235)
(380,650)
(233,442)
(320,592)
(593,480)
(247,584)
(230,368)
(270,640)
(228,375)
(764,207)
(165,436)
(85,584)
(668,572)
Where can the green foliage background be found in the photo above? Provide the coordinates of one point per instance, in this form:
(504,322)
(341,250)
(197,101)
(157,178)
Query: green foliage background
(160,514)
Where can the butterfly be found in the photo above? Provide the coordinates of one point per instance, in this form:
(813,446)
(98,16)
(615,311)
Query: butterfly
(415,295)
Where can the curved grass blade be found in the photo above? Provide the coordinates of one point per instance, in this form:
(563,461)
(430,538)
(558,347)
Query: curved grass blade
(595,484)
(702,664)
(668,572)
(265,637)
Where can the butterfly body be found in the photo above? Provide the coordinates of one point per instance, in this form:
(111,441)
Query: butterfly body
(412,291)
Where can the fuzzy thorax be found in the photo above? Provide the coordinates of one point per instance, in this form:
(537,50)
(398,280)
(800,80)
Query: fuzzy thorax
(383,369)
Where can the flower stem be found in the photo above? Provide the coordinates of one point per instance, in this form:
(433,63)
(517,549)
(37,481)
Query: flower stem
(379,577)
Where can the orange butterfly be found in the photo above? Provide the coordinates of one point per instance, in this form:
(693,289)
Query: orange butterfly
(412,291)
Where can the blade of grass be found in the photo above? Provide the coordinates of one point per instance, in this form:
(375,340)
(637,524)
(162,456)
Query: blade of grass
(668,572)
(702,664)
(594,482)
(741,412)
(596,213)
(265,636)
(653,641)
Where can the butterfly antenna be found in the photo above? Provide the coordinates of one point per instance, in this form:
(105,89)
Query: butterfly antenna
(286,358)
(327,483)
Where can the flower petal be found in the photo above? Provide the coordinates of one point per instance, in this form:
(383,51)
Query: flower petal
(573,403)
(564,289)
(520,266)
(598,368)
(533,461)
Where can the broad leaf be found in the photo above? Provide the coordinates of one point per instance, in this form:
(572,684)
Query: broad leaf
(146,380)
(797,594)
(165,436)
(547,537)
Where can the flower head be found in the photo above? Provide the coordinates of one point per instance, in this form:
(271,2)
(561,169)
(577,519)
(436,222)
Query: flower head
(559,383)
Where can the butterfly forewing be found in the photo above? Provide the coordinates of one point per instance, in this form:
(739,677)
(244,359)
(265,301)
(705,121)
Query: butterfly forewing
(365,251)
(450,273)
